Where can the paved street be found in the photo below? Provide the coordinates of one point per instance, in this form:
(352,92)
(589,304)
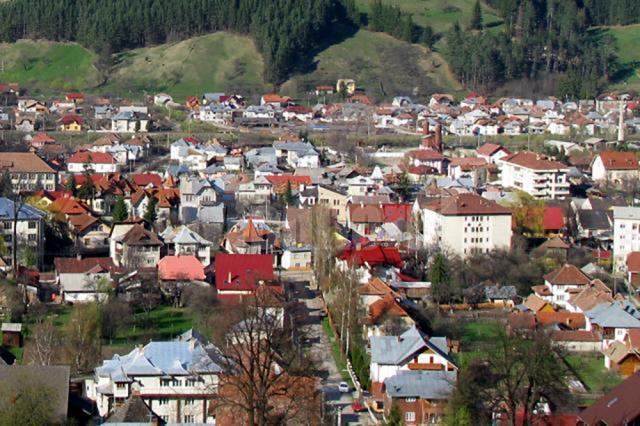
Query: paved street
(321,351)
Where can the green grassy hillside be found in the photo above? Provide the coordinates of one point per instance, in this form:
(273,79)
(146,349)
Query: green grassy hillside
(628,42)
(381,65)
(210,63)
(47,67)
(439,14)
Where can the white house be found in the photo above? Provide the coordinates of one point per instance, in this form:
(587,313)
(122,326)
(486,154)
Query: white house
(130,122)
(96,162)
(29,229)
(178,380)
(466,224)
(563,283)
(84,280)
(538,176)
(184,242)
(615,166)
(626,234)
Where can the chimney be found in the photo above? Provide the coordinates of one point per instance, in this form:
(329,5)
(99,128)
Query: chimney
(425,127)
(229,278)
(438,140)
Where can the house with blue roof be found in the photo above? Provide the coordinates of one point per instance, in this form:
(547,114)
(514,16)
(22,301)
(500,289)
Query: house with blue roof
(176,379)
(613,321)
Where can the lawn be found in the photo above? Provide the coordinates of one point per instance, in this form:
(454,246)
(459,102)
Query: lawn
(480,332)
(439,14)
(627,40)
(335,350)
(592,373)
(381,65)
(47,67)
(219,62)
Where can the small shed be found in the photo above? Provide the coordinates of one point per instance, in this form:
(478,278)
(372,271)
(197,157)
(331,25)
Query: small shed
(12,334)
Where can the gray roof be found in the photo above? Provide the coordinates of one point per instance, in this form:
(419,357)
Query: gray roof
(183,235)
(160,359)
(594,219)
(133,411)
(15,327)
(612,315)
(56,378)
(393,350)
(421,384)
(26,211)
(626,213)
(211,214)
(500,292)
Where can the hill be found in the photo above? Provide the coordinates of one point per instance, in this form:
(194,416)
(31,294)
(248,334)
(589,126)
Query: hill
(627,40)
(439,14)
(380,64)
(215,62)
(48,67)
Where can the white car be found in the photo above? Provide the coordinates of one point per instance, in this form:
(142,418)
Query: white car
(343,387)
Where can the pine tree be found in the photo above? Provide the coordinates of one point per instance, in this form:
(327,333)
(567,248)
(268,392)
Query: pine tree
(120,213)
(476,17)
(6,186)
(439,277)
(395,416)
(288,197)
(71,184)
(150,215)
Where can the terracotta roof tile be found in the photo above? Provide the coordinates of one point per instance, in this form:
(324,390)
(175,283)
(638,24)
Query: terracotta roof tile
(24,162)
(618,160)
(534,161)
(466,204)
(567,275)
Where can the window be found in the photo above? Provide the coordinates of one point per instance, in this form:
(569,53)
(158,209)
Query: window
(165,419)
(8,238)
(165,382)
(31,237)
(410,416)
(191,382)
(410,400)
(189,401)
(163,401)
(7,225)
(176,382)
(32,224)
(189,418)
(121,385)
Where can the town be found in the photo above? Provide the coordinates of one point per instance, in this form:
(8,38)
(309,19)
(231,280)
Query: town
(228,259)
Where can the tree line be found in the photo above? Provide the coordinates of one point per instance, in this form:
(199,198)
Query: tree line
(540,38)
(283,30)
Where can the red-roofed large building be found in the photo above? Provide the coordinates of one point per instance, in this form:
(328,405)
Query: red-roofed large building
(98,162)
(535,174)
(614,166)
(466,224)
(241,274)
(372,255)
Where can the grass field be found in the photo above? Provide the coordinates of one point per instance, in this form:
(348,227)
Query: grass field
(381,65)
(627,40)
(439,14)
(341,363)
(47,67)
(211,63)
(592,373)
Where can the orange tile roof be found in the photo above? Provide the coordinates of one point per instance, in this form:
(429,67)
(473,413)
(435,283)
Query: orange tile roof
(618,160)
(567,275)
(534,161)
(466,204)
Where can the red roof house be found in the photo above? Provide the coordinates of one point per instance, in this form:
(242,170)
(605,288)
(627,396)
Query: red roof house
(373,255)
(552,219)
(181,268)
(242,273)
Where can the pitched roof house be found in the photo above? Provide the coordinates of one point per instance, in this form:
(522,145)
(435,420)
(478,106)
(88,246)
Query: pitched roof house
(241,274)
(615,166)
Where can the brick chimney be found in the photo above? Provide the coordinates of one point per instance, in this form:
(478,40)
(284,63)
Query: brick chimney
(438,140)
(425,127)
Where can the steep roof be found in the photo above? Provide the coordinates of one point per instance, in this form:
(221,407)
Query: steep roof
(567,275)
(25,212)
(617,407)
(139,236)
(395,350)
(181,268)
(488,149)
(633,261)
(431,385)
(240,272)
(426,155)
(373,255)
(552,218)
(367,213)
(134,410)
(618,160)
(24,162)
(466,204)
(534,303)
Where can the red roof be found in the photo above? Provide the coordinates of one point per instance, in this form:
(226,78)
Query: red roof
(618,160)
(241,272)
(42,138)
(552,219)
(488,149)
(633,261)
(91,158)
(71,118)
(373,255)
(283,179)
(181,268)
(71,96)
(394,213)
(144,179)
(531,160)
(426,154)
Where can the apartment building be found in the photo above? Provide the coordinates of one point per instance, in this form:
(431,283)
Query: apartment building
(465,224)
(535,174)
(626,235)
(28,171)
(29,230)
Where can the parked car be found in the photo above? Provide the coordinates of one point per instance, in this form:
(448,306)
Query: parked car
(343,387)
(357,407)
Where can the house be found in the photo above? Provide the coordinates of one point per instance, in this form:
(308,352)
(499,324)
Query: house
(535,304)
(12,335)
(28,172)
(96,162)
(296,258)
(409,351)
(563,282)
(613,321)
(387,316)
(365,219)
(626,229)
(71,123)
(619,406)
(614,166)
(130,122)
(177,379)
(181,268)
(466,224)
(503,295)
(250,237)
(430,158)
(84,280)
(633,269)
(421,396)
(182,241)
(241,274)
(536,175)
(134,247)
(624,357)
(592,295)
(76,98)
(28,226)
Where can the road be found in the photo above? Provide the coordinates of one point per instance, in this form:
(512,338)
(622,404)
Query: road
(321,352)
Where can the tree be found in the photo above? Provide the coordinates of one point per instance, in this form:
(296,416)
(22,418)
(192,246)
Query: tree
(150,214)
(288,197)
(13,302)
(404,186)
(120,213)
(267,381)
(515,374)
(476,17)
(6,185)
(395,416)
(82,337)
(45,341)
(27,399)
(439,277)
(116,315)
(71,185)
(87,189)
(29,257)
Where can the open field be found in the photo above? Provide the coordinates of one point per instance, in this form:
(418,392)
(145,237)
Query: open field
(627,40)
(48,67)
(439,14)
(380,64)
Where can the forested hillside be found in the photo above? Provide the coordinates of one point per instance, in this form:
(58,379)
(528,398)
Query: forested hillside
(282,29)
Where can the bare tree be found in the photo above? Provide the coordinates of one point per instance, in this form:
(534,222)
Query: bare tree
(82,337)
(45,341)
(267,381)
(322,236)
